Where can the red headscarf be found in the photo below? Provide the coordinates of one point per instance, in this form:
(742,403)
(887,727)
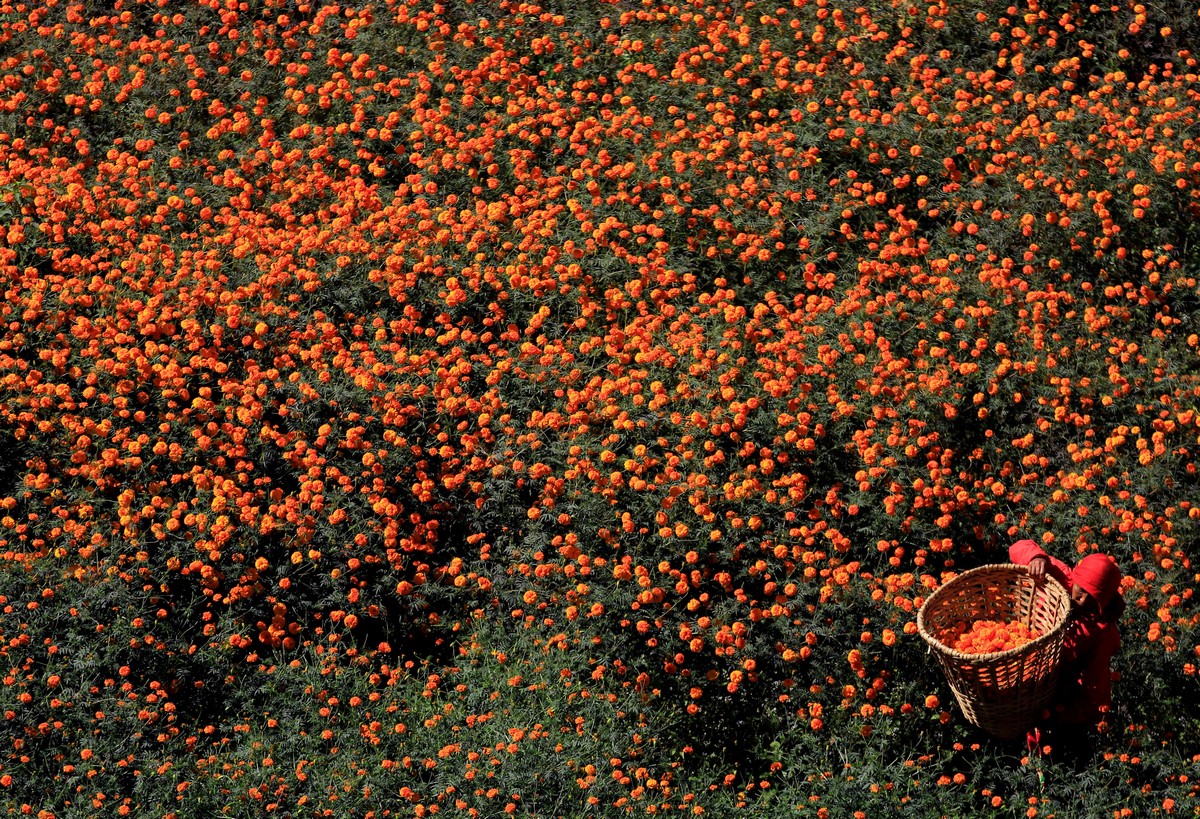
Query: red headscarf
(1099,576)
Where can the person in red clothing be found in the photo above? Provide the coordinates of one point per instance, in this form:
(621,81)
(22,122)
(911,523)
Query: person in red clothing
(1092,636)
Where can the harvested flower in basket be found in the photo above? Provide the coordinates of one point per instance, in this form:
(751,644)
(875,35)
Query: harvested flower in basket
(988,636)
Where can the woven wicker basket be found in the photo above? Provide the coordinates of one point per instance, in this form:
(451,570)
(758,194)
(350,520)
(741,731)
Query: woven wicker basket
(1003,692)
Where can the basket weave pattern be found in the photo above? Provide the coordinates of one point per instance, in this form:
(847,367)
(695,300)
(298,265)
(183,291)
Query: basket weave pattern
(1003,692)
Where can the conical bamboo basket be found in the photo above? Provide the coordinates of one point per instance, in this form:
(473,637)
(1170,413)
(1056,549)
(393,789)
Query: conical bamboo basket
(1004,692)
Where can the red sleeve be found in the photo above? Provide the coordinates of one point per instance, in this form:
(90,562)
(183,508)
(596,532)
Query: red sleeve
(1026,550)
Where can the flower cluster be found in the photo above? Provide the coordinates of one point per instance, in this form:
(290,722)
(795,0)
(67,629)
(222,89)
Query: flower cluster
(988,636)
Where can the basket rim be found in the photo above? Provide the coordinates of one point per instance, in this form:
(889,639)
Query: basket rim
(992,656)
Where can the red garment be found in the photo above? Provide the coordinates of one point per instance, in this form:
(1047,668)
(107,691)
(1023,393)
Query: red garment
(1091,639)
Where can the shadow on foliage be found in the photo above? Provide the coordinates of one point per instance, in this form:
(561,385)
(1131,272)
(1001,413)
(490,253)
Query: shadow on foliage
(12,463)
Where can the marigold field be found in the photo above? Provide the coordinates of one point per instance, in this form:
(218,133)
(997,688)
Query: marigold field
(486,408)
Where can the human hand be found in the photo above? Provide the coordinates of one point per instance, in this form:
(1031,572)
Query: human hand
(1037,568)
